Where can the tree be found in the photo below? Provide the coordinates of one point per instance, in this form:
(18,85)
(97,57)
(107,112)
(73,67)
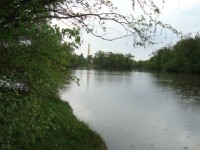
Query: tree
(182,57)
(33,69)
(81,15)
(111,60)
(187,52)
(78,61)
(99,58)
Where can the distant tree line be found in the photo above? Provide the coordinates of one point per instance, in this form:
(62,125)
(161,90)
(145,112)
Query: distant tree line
(107,60)
(184,56)
(112,60)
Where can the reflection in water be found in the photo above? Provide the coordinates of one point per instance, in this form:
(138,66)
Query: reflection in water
(139,110)
(88,79)
(185,85)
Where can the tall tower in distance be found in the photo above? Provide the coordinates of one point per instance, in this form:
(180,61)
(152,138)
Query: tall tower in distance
(89,56)
(88,49)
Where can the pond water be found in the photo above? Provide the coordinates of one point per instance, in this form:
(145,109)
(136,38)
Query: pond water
(139,110)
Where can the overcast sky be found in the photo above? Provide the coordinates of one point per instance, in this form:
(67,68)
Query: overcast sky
(183,15)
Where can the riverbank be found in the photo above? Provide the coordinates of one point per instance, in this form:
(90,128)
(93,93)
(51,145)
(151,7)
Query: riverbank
(69,133)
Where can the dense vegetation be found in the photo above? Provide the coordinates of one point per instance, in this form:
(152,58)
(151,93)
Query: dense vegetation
(111,60)
(68,132)
(182,57)
(104,60)
(34,66)
(33,69)
(79,61)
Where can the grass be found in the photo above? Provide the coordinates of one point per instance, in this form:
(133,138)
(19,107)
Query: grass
(70,133)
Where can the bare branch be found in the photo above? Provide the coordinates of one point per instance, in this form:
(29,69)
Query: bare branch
(86,14)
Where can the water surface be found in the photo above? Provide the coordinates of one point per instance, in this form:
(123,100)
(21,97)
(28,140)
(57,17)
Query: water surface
(139,110)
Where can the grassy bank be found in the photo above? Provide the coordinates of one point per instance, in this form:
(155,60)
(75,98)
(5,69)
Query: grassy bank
(69,132)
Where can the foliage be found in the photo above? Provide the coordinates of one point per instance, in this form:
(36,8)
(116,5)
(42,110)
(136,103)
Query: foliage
(38,63)
(23,120)
(33,67)
(113,60)
(182,57)
(69,132)
(78,61)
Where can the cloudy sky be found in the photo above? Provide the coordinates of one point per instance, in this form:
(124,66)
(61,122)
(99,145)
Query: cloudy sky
(183,15)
